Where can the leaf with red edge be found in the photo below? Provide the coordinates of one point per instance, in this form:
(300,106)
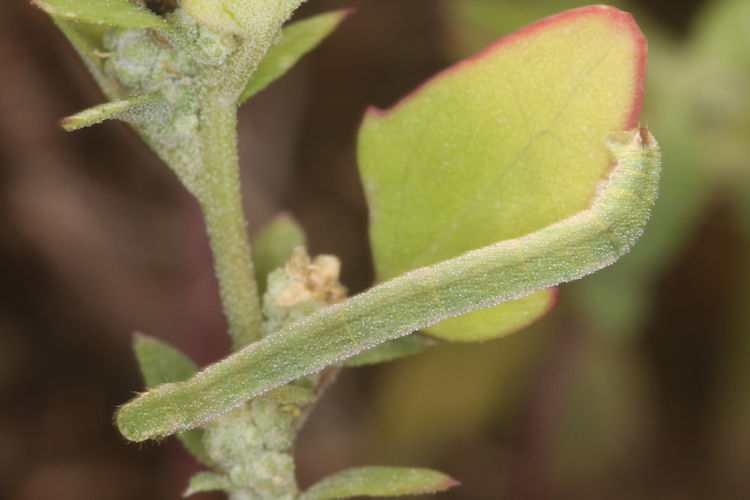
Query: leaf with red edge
(498,146)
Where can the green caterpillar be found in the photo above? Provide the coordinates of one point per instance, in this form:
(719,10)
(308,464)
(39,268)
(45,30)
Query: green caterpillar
(561,252)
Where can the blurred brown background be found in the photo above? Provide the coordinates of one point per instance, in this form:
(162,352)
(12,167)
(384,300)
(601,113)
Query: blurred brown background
(636,386)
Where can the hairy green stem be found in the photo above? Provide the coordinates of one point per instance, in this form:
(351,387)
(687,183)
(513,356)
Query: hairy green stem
(220,201)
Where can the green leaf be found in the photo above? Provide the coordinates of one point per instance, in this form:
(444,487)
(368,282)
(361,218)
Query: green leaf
(161,363)
(252,19)
(721,30)
(720,58)
(379,482)
(297,39)
(273,246)
(390,351)
(563,251)
(206,481)
(109,110)
(110,12)
(498,146)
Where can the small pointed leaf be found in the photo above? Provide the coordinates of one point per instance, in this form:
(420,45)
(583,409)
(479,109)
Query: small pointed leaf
(379,482)
(391,351)
(273,246)
(297,39)
(122,13)
(498,146)
(206,481)
(161,363)
(107,111)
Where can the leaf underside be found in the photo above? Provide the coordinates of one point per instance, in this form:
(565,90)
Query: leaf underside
(296,40)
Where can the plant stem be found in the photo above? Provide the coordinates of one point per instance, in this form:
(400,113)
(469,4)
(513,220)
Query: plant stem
(221,203)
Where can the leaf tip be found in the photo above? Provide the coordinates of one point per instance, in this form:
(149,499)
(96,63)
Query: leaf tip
(374,112)
(345,12)
(139,340)
(449,483)
(285,215)
(67,124)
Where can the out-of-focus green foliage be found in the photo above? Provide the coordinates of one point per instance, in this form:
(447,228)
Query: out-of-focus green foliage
(604,419)
(722,48)
(461,389)
(720,55)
